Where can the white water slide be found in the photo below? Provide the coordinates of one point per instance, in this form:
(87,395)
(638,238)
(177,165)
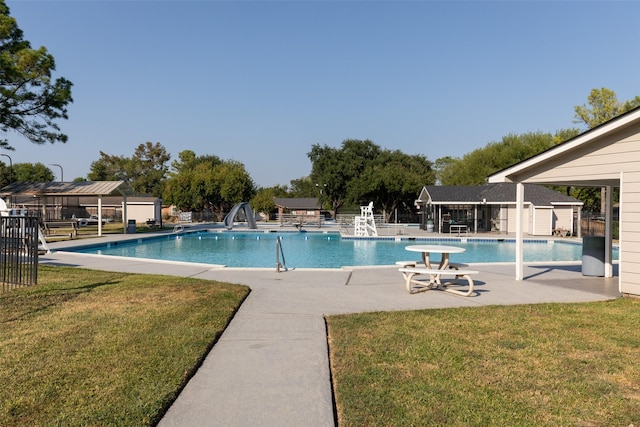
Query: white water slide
(248,214)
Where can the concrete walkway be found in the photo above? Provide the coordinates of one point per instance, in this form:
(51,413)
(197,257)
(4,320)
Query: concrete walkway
(271,366)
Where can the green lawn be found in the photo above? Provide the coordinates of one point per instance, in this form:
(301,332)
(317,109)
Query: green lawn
(551,365)
(100,348)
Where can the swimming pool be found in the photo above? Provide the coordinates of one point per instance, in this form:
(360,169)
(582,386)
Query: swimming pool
(322,250)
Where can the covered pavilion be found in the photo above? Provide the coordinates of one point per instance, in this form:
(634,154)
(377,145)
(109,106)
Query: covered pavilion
(607,156)
(51,200)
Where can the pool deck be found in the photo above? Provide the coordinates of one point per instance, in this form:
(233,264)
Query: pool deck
(271,365)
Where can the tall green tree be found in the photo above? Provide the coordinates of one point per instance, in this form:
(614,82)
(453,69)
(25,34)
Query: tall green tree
(187,159)
(108,168)
(146,171)
(208,187)
(31,101)
(335,168)
(360,172)
(443,168)
(393,180)
(234,183)
(263,200)
(474,167)
(148,168)
(603,105)
(305,187)
(25,172)
(32,172)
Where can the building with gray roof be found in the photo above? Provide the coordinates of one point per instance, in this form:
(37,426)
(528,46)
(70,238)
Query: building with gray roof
(491,207)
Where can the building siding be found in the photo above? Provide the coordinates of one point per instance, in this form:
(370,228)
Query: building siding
(630,233)
(601,161)
(511,220)
(563,218)
(542,224)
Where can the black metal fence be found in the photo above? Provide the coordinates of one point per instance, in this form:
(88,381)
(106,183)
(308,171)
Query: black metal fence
(18,251)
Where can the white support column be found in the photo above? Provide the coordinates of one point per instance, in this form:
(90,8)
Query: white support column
(125,221)
(519,232)
(620,243)
(608,232)
(100,215)
(475,218)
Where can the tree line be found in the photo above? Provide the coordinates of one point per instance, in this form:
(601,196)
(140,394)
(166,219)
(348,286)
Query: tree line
(351,175)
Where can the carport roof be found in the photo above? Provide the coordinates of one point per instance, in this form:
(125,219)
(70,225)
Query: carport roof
(85,188)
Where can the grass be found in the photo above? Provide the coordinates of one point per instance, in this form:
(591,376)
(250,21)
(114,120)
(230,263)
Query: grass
(552,365)
(101,348)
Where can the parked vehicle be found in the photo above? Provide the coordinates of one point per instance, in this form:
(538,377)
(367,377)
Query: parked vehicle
(92,220)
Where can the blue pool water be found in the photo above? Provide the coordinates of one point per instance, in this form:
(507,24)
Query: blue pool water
(320,250)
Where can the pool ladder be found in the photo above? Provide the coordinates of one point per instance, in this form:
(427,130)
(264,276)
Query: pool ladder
(279,253)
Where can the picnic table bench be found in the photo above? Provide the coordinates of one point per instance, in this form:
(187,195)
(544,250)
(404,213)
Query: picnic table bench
(435,279)
(561,232)
(410,269)
(151,222)
(53,228)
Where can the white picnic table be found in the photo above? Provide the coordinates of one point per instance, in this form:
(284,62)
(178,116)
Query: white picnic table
(409,269)
(426,251)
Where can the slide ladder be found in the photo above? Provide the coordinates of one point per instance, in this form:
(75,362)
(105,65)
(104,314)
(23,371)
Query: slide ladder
(248,214)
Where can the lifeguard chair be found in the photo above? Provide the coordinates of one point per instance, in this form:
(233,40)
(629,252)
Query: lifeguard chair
(365,224)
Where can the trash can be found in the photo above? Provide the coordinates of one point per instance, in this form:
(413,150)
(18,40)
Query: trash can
(131,226)
(430,225)
(593,256)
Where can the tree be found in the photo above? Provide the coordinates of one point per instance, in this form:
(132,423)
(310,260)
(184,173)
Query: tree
(263,199)
(234,183)
(145,171)
(604,106)
(6,174)
(32,172)
(25,172)
(305,187)
(360,172)
(443,168)
(393,180)
(474,167)
(187,159)
(207,187)
(108,168)
(178,191)
(30,100)
(148,168)
(335,168)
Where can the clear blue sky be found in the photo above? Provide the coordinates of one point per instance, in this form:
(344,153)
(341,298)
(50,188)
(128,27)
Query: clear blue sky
(260,82)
